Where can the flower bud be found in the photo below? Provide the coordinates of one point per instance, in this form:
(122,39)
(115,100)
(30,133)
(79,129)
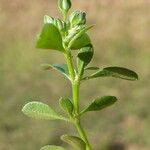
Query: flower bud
(64,5)
(59,24)
(48,19)
(78,18)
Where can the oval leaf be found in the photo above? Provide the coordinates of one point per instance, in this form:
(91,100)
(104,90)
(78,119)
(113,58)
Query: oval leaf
(52,147)
(40,110)
(49,38)
(116,72)
(81,42)
(85,54)
(74,141)
(66,105)
(62,68)
(100,103)
(84,57)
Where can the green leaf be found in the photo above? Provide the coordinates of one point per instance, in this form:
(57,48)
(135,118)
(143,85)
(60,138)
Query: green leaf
(91,68)
(50,38)
(84,57)
(62,68)
(40,110)
(85,54)
(78,35)
(52,147)
(100,103)
(116,72)
(81,41)
(66,105)
(74,141)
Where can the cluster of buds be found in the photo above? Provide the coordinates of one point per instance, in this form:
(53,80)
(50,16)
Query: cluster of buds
(75,23)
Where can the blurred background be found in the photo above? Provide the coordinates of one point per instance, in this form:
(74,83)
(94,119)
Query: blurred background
(121,37)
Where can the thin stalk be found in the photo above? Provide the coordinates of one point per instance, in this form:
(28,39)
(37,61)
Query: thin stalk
(65,15)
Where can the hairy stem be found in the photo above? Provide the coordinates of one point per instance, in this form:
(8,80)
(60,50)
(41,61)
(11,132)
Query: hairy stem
(75,93)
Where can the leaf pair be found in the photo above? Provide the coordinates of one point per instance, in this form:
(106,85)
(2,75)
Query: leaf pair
(40,110)
(85,55)
(117,72)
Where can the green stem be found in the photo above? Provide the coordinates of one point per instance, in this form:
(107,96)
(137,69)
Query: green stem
(75,89)
(70,64)
(65,16)
(83,135)
(75,92)
(75,81)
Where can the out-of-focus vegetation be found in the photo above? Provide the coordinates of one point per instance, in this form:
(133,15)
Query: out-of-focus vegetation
(121,36)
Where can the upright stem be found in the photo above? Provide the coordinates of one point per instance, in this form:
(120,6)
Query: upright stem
(75,89)
(70,65)
(83,135)
(75,81)
(75,93)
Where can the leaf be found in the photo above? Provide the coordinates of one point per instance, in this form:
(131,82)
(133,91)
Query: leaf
(85,54)
(81,41)
(100,103)
(66,105)
(62,68)
(78,35)
(74,141)
(50,38)
(52,147)
(91,68)
(84,57)
(40,110)
(116,72)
